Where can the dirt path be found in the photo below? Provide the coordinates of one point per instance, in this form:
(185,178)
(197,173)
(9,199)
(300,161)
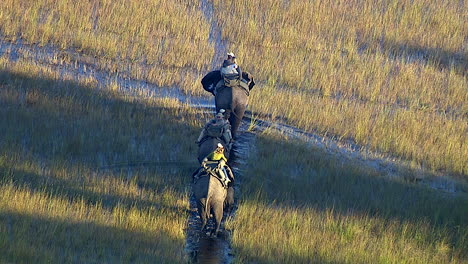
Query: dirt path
(204,249)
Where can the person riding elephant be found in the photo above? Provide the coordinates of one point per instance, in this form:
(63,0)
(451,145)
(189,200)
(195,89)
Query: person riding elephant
(231,91)
(230,71)
(231,74)
(216,163)
(218,127)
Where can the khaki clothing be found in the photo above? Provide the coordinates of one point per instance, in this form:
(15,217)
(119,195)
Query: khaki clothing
(217,128)
(215,163)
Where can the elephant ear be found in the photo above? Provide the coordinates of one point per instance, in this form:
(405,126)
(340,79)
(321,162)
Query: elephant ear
(210,80)
(250,79)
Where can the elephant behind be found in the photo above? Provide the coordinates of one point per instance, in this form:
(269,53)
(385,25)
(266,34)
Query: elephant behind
(210,195)
(233,99)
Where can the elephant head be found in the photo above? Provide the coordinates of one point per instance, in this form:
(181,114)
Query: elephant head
(233,99)
(210,196)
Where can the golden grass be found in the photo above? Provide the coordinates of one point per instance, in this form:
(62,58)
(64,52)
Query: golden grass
(63,200)
(390,75)
(301,205)
(71,187)
(151,38)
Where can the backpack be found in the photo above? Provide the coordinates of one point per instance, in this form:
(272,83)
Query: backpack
(231,80)
(215,130)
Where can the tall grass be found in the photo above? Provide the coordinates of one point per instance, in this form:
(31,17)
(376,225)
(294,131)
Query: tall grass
(389,74)
(301,205)
(72,187)
(152,39)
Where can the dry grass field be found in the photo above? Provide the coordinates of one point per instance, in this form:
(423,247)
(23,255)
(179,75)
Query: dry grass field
(303,205)
(89,173)
(390,75)
(71,187)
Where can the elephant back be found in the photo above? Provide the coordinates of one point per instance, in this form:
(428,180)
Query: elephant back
(210,145)
(209,189)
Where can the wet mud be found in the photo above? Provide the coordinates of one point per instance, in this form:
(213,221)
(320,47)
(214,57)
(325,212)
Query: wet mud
(200,247)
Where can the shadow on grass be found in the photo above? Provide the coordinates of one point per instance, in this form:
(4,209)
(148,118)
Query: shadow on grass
(61,124)
(37,239)
(71,191)
(438,57)
(301,177)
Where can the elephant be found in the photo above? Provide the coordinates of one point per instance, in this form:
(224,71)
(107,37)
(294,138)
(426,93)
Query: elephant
(233,99)
(205,148)
(210,195)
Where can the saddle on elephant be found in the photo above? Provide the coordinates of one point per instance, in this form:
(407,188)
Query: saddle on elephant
(214,81)
(218,127)
(215,164)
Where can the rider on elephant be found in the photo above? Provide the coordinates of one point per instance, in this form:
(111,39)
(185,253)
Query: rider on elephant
(218,127)
(230,94)
(217,156)
(230,67)
(216,162)
(231,75)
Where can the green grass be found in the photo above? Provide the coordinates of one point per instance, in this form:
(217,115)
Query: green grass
(390,75)
(301,205)
(71,189)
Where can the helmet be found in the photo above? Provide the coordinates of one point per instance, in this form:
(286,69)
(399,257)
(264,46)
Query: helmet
(220,114)
(231,54)
(220,146)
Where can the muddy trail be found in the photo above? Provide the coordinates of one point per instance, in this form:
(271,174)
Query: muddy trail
(200,247)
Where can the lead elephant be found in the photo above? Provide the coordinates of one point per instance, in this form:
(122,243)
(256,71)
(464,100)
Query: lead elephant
(233,99)
(210,195)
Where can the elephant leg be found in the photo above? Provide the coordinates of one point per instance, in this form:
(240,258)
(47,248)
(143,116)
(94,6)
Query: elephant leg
(202,212)
(236,119)
(218,215)
(229,202)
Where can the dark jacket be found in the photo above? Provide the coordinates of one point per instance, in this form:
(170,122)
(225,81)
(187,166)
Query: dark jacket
(210,80)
